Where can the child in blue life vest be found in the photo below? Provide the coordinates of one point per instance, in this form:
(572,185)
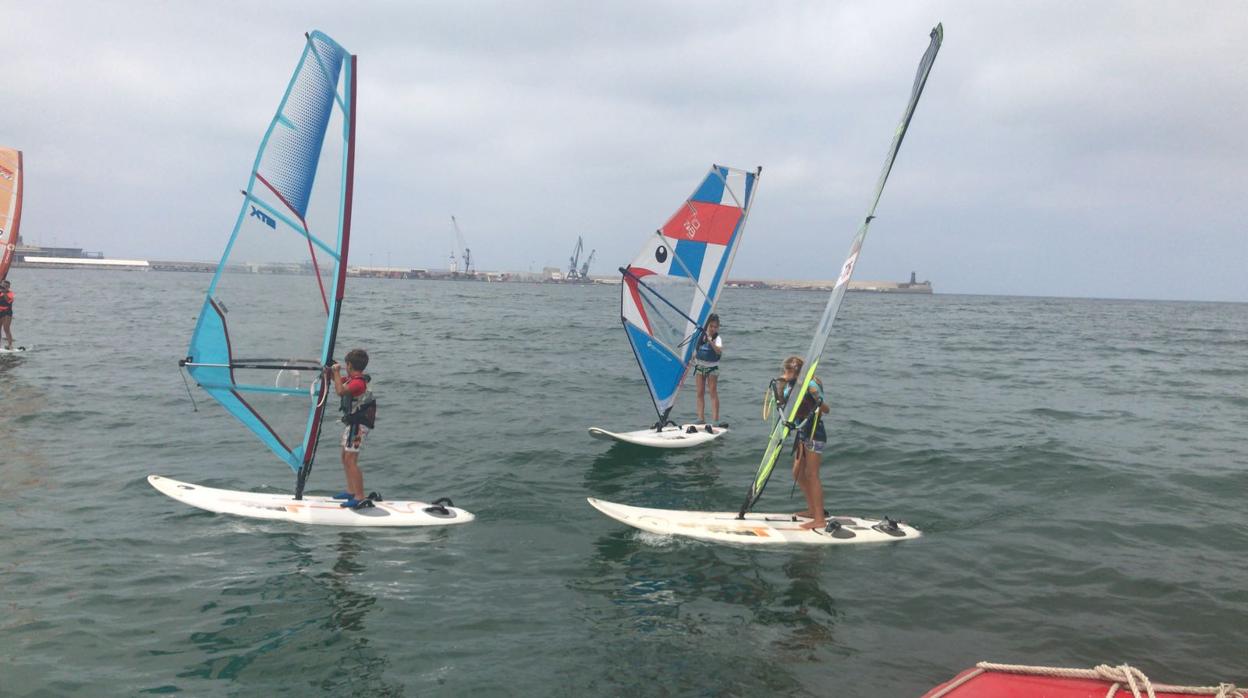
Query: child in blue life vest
(706,367)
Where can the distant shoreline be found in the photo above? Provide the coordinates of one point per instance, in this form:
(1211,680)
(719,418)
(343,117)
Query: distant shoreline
(71,263)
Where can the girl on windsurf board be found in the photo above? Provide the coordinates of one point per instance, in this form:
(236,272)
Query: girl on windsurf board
(359,411)
(6,313)
(706,368)
(809,440)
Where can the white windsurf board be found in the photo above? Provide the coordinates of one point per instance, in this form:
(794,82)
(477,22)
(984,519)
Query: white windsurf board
(683,436)
(324,511)
(755,528)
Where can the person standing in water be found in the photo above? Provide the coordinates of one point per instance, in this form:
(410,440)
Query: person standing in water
(809,440)
(6,313)
(359,410)
(706,368)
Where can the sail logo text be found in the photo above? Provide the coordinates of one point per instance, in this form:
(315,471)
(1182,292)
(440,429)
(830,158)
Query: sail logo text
(691,225)
(264,217)
(848,269)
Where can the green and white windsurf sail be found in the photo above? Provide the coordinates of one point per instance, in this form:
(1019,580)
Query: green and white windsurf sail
(785,420)
(268,324)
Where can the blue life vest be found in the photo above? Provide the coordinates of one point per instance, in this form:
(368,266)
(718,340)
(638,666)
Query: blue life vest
(705,352)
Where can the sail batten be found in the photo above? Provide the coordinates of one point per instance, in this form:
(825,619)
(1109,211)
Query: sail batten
(671,287)
(278,289)
(780,430)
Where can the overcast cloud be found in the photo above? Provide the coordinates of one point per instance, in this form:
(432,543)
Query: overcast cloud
(1070,149)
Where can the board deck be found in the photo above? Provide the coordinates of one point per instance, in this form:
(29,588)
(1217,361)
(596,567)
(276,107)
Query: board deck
(669,437)
(755,528)
(14,350)
(324,511)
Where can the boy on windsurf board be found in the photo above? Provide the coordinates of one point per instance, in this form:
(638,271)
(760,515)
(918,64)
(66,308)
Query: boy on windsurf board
(6,313)
(359,410)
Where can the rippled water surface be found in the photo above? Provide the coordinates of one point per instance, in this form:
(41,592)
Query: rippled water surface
(1078,468)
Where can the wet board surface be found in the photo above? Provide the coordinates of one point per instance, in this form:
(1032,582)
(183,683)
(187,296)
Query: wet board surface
(755,528)
(669,437)
(323,511)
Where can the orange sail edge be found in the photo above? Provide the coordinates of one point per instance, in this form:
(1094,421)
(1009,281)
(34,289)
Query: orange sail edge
(11,180)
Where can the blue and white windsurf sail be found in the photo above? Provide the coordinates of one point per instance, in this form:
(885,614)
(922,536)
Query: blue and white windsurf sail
(267,327)
(785,419)
(672,285)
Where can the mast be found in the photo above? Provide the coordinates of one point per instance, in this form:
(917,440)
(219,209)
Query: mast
(785,420)
(340,285)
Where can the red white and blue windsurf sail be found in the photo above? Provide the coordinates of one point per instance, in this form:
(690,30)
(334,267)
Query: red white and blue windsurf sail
(672,285)
(268,324)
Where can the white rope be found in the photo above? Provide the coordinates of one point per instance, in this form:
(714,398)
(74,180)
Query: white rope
(1135,680)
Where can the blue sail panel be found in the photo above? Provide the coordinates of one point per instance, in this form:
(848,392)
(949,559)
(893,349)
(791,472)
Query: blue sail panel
(295,139)
(662,369)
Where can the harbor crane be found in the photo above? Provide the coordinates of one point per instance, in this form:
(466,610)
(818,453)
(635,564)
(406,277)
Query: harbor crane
(467,255)
(585,266)
(575,259)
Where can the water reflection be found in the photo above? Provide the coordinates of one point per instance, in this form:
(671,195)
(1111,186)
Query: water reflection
(657,476)
(305,626)
(706,618)
(23,465)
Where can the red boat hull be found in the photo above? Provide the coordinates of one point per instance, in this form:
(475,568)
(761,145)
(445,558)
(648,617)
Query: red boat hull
(998,684)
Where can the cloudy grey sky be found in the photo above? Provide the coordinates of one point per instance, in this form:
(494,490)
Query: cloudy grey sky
(1061,148)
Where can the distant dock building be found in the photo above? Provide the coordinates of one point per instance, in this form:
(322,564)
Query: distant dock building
(911,286)
(35,257)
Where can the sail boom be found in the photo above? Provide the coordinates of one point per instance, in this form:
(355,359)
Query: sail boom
(253,388)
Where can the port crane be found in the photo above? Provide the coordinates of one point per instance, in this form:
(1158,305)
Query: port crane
(575,259)
(460,244)
(585,266)
(583,271)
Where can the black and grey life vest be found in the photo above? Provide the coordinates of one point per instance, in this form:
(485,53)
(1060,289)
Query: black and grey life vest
(359,410)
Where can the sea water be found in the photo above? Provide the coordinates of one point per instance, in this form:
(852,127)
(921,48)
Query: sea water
(1077,467)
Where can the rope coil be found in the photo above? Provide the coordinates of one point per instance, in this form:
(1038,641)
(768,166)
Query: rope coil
(1134,680)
